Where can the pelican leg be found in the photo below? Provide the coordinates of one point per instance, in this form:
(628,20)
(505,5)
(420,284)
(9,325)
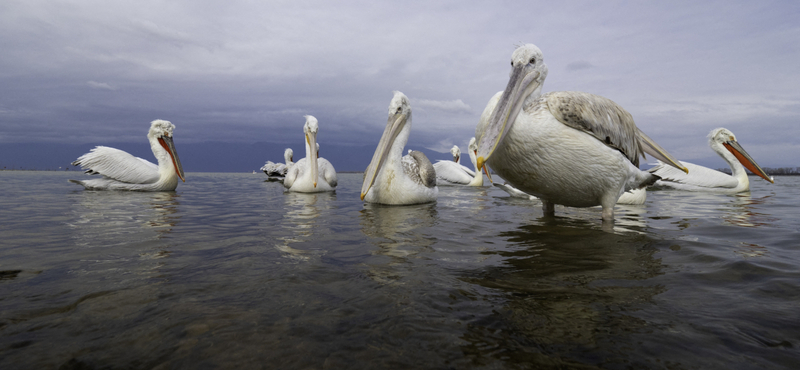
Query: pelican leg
(608,204)
(548,208)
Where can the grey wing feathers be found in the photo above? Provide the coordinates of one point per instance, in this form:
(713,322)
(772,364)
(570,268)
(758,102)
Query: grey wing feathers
(423,170)
(598,116)
(118,165)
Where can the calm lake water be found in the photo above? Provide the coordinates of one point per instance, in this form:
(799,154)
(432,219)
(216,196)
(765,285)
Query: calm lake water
(231,272)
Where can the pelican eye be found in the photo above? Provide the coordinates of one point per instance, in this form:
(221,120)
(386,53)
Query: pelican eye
(533,61)
(399,110)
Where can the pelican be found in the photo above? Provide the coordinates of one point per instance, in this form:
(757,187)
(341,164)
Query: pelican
(456,152)
(570,148)
(452,173)
(279,169)
(390,178)
(700,178)
(122,171)
(311,174)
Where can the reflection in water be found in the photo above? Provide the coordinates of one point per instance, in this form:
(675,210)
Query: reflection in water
(740,210)
(111,219)
(630,217)
(120,217)
(302,221)
(565,292)
(398,227)
(399,234)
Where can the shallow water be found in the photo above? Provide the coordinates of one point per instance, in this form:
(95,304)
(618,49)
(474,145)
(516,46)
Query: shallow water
(231,272)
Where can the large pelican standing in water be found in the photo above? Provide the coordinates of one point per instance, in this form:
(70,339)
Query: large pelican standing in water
(392,178)
(311,174)
(453,173)
(122,171)
(701,178)
(570,148)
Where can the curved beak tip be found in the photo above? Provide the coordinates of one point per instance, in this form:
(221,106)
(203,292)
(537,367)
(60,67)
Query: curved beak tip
(362,196)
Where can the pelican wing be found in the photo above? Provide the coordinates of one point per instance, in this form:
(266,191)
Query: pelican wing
(419,168)
(327,172)
(514,192)
(698,176)
(449,172)
(274,169)
(597,116)
(118,165)
(294,172)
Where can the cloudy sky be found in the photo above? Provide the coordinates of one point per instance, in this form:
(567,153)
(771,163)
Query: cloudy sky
(247,71)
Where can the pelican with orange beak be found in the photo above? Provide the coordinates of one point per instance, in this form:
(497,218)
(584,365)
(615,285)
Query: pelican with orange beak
(392,178)
(700,178)
(311,174)
(570,148)
(122,171)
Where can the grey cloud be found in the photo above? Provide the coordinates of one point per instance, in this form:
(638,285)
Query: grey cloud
(577,66)
(247,72)
(455,106)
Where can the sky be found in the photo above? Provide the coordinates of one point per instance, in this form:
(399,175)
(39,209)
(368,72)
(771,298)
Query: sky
(244,72)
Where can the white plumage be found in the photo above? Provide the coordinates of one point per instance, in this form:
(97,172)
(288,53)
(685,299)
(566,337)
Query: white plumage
(311,174)
(392,178)
(700,178)
(272,169)
(122,171)
(569,148)
(453,173)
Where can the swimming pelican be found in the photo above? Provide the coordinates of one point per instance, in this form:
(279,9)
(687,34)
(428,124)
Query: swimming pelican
(570,148)
(311,174)
(279,169)
(456,152)
(122,171)
(390,178)
(700,178)
(452,173)
(634,196)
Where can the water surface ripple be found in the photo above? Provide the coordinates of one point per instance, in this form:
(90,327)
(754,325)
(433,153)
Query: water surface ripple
(230,271)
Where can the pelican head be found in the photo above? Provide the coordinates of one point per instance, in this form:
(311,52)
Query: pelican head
(456,153)
(161,131)
(399,118)
(528,72)
(725,138)
(310,129)
(288,156)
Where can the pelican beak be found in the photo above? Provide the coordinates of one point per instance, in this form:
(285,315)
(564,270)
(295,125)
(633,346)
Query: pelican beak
(746,160)
(650,147)
(311,139)
(458,157)
(483,167)
(393,127)
(169,146)
(521,84)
